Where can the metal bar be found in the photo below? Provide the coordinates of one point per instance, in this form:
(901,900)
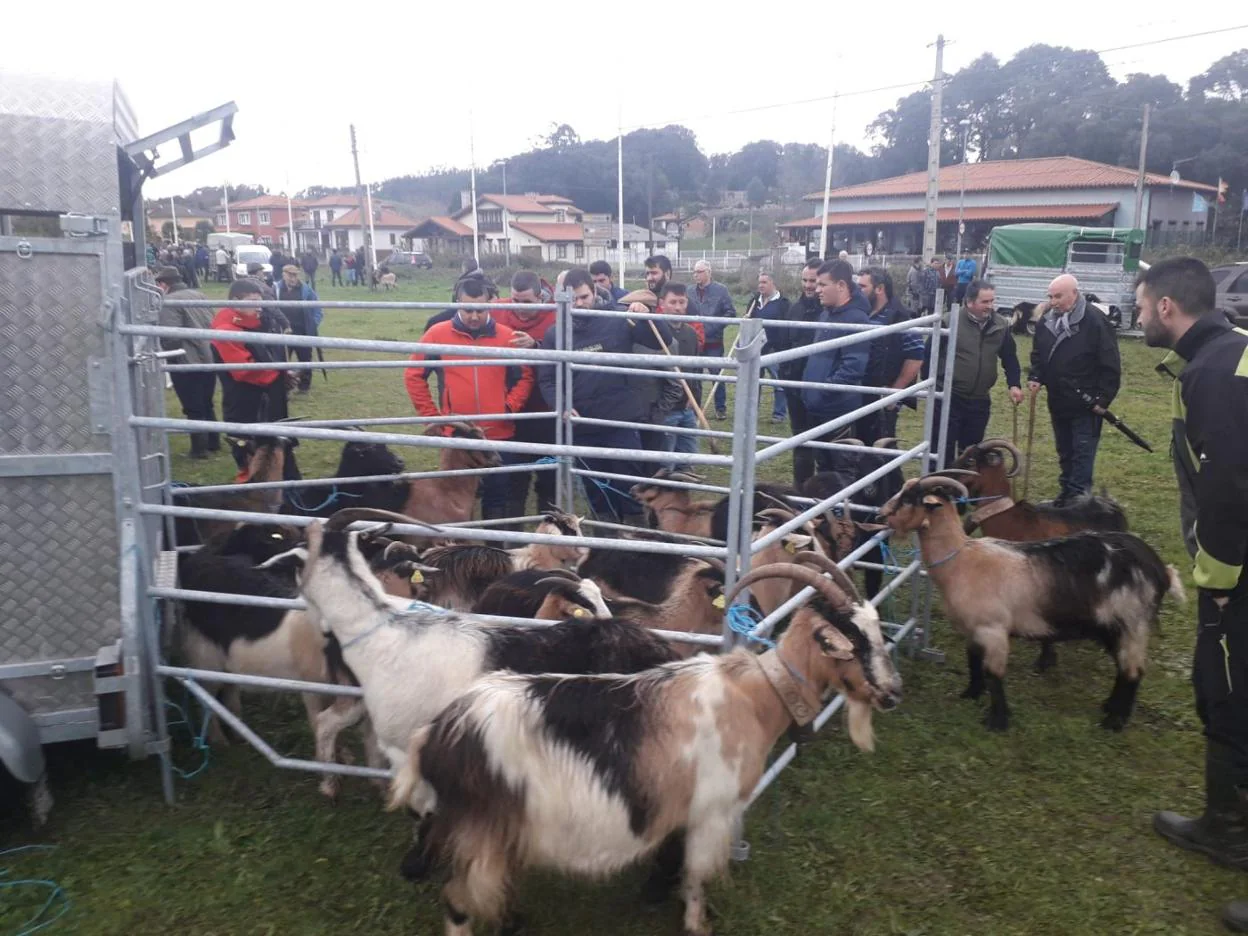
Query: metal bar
(585,472)
(260,682)
(810,435)
(815,385)
(141,146)
(828,502)
(195,491)
(342,365)
(649,427)
(607,525)
(366,304)
(208,700)
(295,431)
(47,667)
(646,372)
(741,478)
(415,420)
(416,347)
(946,397)
(861,333)
(86,463)
(203,513)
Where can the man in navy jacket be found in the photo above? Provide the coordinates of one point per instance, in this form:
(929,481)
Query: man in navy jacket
(605,395)
(711,298)
(843,304)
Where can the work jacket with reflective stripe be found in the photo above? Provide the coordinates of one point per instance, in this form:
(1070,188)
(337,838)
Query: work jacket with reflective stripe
(1209,446)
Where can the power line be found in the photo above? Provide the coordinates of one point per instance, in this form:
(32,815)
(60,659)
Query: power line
(1140,45)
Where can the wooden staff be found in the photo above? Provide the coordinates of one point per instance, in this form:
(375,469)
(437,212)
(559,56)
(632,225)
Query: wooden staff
(697,410)
(1014,482)
(1031,433)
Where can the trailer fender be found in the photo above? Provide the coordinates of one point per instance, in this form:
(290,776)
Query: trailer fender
(21,753)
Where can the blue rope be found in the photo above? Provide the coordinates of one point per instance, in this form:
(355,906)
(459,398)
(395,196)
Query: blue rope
(742,619)
(297,502)
(36,922)
(199,740)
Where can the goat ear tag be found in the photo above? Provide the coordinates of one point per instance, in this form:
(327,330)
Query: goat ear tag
(417,577)
(790,547)
(719,602)
(580,613)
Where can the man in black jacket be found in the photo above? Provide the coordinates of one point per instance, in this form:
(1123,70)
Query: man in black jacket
(1075,353)
(1208,364)
(805,308)
(597,395)
(770,305)
(896,358)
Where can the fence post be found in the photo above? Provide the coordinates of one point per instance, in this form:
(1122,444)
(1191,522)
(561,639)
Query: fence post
(563,395)
(741,480)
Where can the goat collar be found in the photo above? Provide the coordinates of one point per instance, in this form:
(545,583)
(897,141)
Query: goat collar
(790,686)
(940,562)
(998,505)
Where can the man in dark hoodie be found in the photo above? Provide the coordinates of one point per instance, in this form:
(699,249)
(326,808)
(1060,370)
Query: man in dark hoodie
(843,304)
(605,395)
(805,308)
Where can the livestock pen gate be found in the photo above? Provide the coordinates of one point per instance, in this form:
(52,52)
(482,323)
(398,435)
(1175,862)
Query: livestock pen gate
(161,500)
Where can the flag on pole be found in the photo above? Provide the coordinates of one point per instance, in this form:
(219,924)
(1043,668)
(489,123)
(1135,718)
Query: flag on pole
(1222,187)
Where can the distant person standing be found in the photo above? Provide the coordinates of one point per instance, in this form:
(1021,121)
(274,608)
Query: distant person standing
(302,321)
(805,308)
(948,272)
(223,265)
(194,388)
(335,268)
(201,261)
(914,284)
(770,306)
(309,263)
(351,273)
(964,272)
(895,359)
(361,267)
(709,298)
(600,270)
(929,284)
(1075,353)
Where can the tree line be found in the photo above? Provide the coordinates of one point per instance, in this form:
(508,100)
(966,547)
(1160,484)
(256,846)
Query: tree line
(1045,101)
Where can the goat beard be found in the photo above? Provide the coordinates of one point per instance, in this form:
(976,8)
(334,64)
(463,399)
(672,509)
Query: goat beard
(858,720)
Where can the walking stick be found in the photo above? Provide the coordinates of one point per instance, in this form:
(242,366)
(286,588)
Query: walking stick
(1031,434)
(1013,481)
(697,410)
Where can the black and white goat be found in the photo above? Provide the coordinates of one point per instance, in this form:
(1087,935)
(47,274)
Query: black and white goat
(546,595)
(1106,587)
(590,774)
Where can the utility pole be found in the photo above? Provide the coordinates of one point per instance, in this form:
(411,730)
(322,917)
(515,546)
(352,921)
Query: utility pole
(619,178)
(173,213)
(506,234)
(966,128)
(225,194)
(824,236)
(472,159)
(359,191)
(933,155)
(650,207)
(1140,221)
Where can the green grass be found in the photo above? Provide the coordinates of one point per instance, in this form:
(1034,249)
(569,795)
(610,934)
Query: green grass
(946,829)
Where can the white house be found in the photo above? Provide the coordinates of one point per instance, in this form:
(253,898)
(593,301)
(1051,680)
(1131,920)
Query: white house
(602,242)
(322,212)
(542,226)
(389,227)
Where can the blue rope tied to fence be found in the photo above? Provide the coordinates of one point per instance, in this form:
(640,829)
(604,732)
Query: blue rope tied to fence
(296,501)
(742,619)
(896,558)
(36,922)
(199,740)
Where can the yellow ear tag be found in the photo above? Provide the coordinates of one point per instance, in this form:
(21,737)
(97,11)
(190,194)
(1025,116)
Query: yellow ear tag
(790,548)
(719,602)
(417,577)
(580,613)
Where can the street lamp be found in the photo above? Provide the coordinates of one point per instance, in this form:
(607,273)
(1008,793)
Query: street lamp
(966,126)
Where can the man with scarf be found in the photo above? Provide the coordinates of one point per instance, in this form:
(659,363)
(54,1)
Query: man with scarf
(483,389)
(1075,353)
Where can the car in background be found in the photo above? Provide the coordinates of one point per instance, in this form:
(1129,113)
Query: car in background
(247,254)
(408,258)
(1232,295)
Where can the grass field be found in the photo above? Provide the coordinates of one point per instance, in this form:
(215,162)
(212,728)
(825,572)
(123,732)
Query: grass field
(946,829)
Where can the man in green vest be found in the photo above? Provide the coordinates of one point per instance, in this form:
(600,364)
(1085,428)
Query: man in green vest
(1208,363)
(983,338)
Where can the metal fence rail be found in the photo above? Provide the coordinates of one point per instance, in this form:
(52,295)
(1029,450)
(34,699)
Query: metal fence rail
(137,336)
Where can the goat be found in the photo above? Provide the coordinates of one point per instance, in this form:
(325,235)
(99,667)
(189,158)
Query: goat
(672,509)
(547,595)
(358,460)
(590,774)
(387,281)
(1001,517)
(847,468)
(413,663)
(1106,587)
(266,461)
(450,500)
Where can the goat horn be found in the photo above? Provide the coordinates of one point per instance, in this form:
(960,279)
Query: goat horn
(716,564)
(685,476)
(556,579)
(775,500)
(798,573)
(888,442)
(839,575)
(1015,454)
(776,514)
(341,519)
(931,481)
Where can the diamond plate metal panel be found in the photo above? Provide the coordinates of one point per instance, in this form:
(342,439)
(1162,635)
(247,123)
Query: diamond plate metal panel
(60,145)
(43,694)
(49,330)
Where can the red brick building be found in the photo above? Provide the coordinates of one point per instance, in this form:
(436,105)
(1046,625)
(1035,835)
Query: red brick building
(264,217)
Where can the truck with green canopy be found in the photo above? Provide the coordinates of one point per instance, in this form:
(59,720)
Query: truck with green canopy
(1024,258)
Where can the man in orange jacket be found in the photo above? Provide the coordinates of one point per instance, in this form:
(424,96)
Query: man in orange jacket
(481,390)
(251,395)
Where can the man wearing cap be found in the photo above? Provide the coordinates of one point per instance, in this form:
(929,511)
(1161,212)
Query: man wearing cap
(194,388)
(302,321)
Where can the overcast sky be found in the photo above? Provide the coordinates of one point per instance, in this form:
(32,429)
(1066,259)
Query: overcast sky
(409,74)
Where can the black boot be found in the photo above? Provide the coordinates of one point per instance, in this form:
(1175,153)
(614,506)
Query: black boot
(199,445)
(1221,834)
(213,441)
(1235,916)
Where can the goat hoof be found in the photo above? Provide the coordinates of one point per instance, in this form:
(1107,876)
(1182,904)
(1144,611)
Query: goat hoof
(971,692)
(329,790)
(1114,721)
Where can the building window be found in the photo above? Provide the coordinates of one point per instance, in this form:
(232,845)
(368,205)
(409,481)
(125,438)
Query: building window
(561,251)
(393,240)
(244,217)
(222,219)
(265,217)
(579,251)
(266,240)
(561,216)
(316,219)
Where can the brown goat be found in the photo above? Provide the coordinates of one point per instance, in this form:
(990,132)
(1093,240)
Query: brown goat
(674,509)
(266,461)
(450,500)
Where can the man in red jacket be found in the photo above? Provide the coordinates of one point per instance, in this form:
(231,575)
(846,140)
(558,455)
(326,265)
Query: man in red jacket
(482,390)
(251,395)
